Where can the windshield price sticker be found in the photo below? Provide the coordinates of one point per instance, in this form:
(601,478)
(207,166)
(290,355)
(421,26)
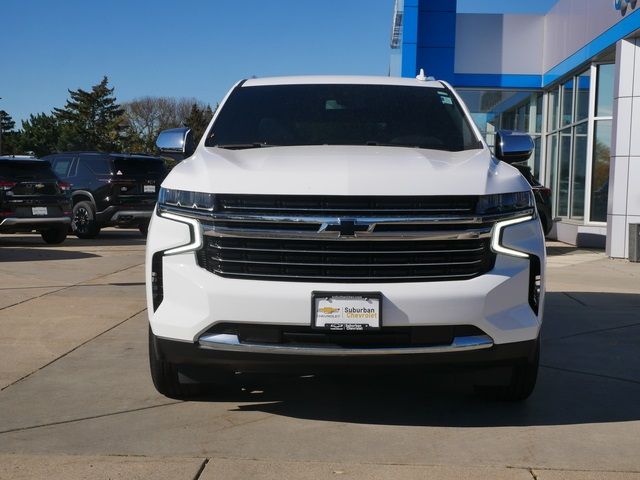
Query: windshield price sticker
(346,312)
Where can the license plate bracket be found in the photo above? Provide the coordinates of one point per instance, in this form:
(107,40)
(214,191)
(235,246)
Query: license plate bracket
(39,211)
(346,311)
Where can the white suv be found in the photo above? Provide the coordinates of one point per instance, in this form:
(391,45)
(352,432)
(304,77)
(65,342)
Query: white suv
(350,223)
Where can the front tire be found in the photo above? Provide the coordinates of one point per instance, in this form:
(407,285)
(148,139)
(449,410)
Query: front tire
(54,235)
(522,384)
(84,223)
(166,378)
(144,229)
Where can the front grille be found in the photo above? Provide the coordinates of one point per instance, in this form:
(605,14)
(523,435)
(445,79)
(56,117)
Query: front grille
(346,239)
(358,261)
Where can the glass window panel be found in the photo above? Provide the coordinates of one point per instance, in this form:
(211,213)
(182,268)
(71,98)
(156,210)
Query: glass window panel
(564,172)
(604,92)
(567,103)
(523,118)
(538,102)
(600,174)
(553,110)
(537,152)
(494,109)
(552,154)
(578,180)
(508,120)
(582,96)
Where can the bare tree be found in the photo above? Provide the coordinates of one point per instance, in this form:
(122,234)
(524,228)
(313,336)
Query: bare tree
(147,116)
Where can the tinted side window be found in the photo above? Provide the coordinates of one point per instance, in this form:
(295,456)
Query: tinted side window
(100,165)
(61,166)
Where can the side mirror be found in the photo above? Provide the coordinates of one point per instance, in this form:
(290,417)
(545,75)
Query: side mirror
(176,143)
(513,147)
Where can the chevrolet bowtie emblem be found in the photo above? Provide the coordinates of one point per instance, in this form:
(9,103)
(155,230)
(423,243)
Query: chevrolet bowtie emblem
(328,310)
(347,228)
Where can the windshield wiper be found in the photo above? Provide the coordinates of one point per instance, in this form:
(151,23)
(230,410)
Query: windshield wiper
(242,146)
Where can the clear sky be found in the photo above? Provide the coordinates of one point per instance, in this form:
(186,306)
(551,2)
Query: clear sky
(189,48)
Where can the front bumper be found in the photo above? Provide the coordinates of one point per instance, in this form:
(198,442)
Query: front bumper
(195,358)
(194,300)
(17,224)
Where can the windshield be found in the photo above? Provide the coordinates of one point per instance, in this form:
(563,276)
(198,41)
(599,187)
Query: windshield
(26,170)
(339,114)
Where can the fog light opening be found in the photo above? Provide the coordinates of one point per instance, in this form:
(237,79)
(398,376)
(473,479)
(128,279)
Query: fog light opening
(157,291)
(535,284)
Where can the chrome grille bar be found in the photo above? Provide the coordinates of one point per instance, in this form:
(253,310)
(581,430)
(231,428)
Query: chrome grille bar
(293,240)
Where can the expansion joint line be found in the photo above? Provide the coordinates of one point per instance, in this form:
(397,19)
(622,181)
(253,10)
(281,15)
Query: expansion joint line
(73,349)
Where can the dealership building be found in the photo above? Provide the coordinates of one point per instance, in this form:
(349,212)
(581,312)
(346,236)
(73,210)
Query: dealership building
(569,76)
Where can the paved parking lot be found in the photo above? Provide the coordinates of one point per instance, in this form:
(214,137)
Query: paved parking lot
(76,400)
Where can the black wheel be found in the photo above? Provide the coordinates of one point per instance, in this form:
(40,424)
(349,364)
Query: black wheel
(54,235)
(144,229)
(84,222)
(166,378)
(523,381)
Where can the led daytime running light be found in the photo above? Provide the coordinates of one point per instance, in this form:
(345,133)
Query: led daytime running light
(194,231)
(497,237)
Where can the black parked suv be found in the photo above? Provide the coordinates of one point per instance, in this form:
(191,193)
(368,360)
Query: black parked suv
(542,195)
(110,189)
(33,198)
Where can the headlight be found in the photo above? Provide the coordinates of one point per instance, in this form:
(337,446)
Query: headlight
(518,207)
(503,203)
(181,206)
(189,201)
(498,230)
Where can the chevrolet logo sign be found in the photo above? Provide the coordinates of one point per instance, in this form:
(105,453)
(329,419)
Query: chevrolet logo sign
(624,5)
(328,310)
(346,227)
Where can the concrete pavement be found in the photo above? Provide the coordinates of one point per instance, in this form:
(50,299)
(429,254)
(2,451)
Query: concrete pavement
(77,401)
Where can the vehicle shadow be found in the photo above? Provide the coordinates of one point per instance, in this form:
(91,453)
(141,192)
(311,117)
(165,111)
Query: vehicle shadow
(590,373)
(28,254)
(555,249)
(107,237)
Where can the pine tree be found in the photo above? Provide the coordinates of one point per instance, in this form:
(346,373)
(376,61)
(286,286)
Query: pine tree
(6,122)
(198,120)
(91,120)
(7,136)
(39,134)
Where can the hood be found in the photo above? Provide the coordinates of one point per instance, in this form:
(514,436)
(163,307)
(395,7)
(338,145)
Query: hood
(344,170)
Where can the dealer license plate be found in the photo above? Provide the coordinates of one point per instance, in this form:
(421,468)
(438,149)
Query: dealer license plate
(39,210)
(346,312)
(149,189)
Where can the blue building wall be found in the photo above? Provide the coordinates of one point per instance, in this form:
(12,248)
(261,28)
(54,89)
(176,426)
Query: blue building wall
(429,38)
(429,42)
